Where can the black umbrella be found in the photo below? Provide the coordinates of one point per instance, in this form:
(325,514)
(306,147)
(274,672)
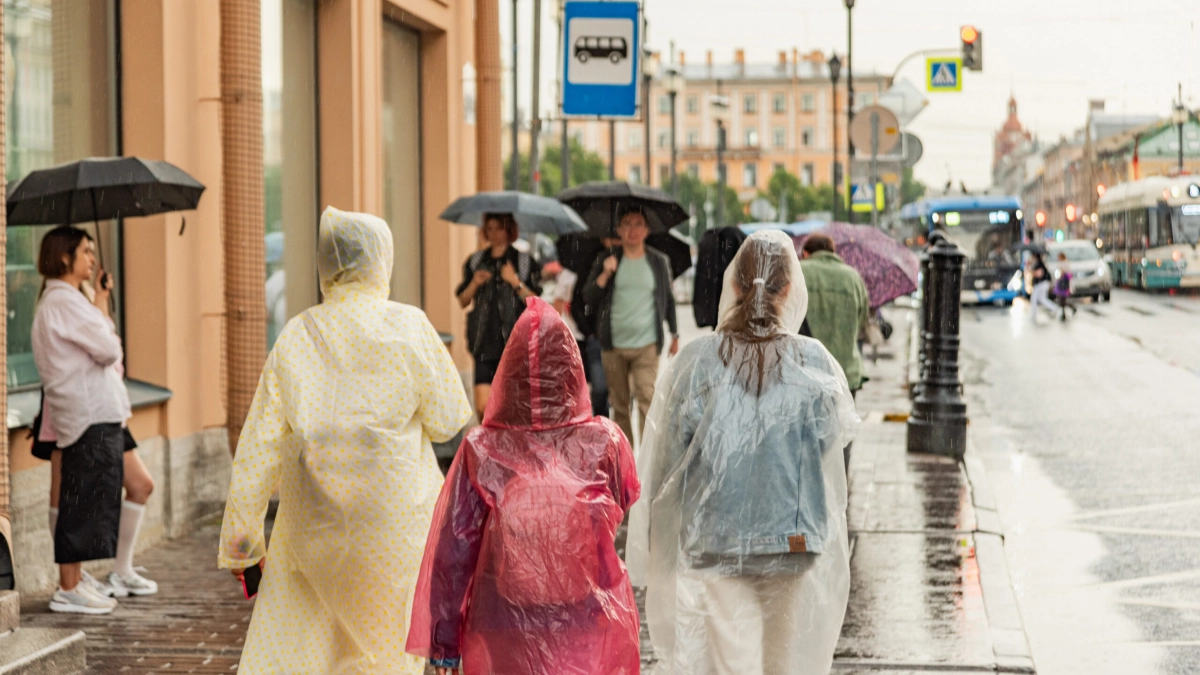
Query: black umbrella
(601,204)
(533,213)
(578,252)
(100,188)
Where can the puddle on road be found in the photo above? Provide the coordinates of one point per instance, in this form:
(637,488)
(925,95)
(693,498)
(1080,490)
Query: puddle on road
(1074,623)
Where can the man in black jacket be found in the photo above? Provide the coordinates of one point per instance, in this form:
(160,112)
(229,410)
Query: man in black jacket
(631,290)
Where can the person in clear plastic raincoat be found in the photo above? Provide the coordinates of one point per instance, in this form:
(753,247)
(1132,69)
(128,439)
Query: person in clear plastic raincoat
(521,575)
(350,398)
(741,540)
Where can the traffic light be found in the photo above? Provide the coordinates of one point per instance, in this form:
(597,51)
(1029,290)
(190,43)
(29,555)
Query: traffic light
(1040,218)
(972,48)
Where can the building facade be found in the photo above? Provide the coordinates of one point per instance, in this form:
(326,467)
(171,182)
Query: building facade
(391,133)
(779,116)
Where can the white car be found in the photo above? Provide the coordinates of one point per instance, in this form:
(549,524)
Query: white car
(1090,275)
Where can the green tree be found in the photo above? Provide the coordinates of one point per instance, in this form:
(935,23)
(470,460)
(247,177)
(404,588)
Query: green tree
(585,166)
(692,194)
(785,187)
(911,189)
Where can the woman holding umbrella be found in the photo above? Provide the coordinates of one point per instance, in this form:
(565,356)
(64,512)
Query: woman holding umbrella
(496,280)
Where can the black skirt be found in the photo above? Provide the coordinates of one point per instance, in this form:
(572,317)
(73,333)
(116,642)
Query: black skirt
(89,503)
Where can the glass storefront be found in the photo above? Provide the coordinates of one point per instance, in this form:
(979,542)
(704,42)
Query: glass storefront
(289,158)
(402,157)
(60,96)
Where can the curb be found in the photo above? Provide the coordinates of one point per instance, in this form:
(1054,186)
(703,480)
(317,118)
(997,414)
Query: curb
(1009,642)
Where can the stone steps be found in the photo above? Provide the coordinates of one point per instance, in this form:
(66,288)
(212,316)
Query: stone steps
(37,651)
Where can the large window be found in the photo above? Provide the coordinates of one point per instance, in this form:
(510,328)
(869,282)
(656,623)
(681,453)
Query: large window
(402,157)
(750,175)
(289,159)
(750,104)
(60,89)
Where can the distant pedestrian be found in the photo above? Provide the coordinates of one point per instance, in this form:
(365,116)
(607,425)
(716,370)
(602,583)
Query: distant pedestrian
(350,398)
(77,353)
(1062,288)
(521,574)
(632,290)
(839,308)
(589,346)
(497,279)
(742,535)
(1040,296)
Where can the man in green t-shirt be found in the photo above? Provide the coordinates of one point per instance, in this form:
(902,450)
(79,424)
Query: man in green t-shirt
(838,305)
(631,288)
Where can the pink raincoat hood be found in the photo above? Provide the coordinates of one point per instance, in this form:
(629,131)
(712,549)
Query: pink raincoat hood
(540,383)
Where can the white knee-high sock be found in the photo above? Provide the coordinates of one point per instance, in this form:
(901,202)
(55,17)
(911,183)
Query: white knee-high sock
(53,521)
(131,520)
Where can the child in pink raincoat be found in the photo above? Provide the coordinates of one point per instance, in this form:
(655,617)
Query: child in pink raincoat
(521,575)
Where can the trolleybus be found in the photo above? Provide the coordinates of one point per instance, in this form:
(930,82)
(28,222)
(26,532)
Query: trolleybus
(1149,230)
(989,230)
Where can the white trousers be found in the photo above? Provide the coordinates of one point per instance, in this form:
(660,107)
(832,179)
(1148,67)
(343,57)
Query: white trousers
(750,625)
(1041,296)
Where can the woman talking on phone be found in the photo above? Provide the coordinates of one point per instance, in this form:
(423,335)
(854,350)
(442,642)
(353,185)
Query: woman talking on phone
(78,356)
(349,400)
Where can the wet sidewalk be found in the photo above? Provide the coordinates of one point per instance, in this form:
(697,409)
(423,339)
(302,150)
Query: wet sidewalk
(930,590)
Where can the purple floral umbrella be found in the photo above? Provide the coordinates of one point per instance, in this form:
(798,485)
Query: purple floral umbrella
(888,269)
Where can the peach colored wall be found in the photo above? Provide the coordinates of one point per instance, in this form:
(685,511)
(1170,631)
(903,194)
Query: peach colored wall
(174,298)
(349,33)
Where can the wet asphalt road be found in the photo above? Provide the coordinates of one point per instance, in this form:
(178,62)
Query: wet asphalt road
(1091,435)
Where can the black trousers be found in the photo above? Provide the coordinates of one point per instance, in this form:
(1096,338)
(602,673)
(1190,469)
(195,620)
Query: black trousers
(89,502)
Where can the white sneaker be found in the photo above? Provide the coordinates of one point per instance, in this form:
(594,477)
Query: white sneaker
(134,584)
(103,589)
(81,600)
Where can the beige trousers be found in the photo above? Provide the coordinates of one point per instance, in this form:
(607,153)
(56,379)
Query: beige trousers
(748,625)
(620,367)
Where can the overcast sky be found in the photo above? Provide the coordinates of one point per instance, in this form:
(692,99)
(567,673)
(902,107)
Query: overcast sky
(1053,55)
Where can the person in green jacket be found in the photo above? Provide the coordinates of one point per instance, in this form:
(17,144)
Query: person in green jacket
(838,305)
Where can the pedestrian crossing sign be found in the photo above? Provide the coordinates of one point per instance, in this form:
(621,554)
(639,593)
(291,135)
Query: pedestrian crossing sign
(861,196)
(943,73)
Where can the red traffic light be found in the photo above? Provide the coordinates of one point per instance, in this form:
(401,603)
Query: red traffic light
(1040,218)
(969,34)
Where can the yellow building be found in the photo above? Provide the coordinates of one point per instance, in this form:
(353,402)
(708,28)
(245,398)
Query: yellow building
(369,105)
(779,115)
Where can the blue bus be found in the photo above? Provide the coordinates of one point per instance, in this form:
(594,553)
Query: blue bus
(990,230)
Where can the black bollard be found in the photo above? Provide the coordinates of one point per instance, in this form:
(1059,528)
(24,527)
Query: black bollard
(923,322)
(938,423)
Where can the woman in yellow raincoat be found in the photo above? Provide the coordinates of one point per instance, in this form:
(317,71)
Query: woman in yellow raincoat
(350,398)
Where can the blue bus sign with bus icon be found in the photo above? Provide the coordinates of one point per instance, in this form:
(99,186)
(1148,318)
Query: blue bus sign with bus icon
(602,59)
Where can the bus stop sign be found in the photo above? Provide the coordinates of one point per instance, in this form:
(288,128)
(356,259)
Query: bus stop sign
(602,59)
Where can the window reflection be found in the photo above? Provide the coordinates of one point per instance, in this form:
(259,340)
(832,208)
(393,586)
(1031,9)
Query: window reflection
(59,83)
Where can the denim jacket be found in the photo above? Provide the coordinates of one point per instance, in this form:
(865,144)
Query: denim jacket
(751,482)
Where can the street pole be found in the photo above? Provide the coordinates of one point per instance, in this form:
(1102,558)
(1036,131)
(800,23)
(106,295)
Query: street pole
(514,170)
(849,94)
(874,169)
(612,150)
(535,118)
(1182,118)
(720,220)
(674,153)
(564,155)
(648,177)
(835,66)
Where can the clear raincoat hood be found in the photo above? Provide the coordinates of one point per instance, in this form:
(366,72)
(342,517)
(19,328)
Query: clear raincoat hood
(520,573)
(742,539)
(350,398)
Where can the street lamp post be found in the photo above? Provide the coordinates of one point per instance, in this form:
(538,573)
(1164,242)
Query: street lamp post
(849,89)
(835,70)
(1180,117)
(721,104)
(673,86)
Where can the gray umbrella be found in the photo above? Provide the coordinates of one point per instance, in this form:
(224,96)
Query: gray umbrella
(532,213)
